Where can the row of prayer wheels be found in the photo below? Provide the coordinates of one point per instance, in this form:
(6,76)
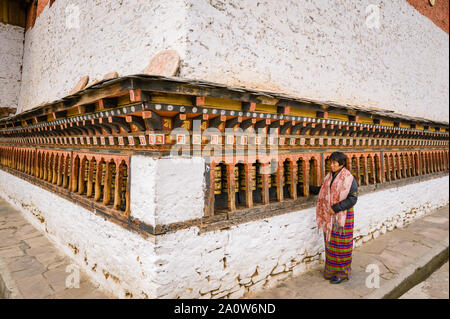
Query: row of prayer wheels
(221,183)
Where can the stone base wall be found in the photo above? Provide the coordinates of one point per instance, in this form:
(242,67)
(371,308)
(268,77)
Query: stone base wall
(121,261)
(256,255)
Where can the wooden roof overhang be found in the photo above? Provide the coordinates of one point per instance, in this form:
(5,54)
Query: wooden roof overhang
(277,110)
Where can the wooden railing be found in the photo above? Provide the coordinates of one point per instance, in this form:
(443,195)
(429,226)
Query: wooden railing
(102,178)
(248,181)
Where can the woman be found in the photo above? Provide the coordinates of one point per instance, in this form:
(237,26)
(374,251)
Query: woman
(334,213)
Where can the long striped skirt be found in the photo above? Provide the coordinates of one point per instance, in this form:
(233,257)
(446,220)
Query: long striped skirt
(338,251)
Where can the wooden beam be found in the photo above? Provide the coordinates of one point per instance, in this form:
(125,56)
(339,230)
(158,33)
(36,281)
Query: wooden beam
(136,120)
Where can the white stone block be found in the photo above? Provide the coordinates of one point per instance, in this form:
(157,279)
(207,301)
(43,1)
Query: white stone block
(238,294)
(367,238)
(278,269)
(257,286)
(245,280)
(376,234)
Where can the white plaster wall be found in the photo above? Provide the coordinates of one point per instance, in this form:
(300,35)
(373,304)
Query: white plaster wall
(324,50)
(181,189)
(113,35)
(167,190)
(318,49)
(384,210)
(255,255)
(142,188)
(127,259)
(11,52)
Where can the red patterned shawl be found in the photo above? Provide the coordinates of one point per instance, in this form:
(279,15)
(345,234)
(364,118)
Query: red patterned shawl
(329,196)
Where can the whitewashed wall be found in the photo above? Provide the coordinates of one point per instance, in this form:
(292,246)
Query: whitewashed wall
(113,35)
(167,190)
(323,49)
(11,52)
(224,263)
(319,49)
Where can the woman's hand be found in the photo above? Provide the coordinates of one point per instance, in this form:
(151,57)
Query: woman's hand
(332,211)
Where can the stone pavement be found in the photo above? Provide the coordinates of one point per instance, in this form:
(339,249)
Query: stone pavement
(404,257)
(434,287)
(31,266)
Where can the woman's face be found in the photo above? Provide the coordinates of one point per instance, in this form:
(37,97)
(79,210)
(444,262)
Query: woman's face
(335,166)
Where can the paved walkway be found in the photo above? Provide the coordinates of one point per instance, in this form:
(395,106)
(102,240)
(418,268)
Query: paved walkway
(31,266)
(434,287)
(400,255)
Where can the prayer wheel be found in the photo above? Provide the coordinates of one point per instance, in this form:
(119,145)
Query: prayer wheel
(254,177)
(259,179)
(287,174)
(236,178)
(224,179)
(218,180)
(123,188)
(242,184)
(300,172)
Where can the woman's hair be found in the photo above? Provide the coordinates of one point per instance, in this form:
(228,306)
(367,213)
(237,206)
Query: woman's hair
(339,157)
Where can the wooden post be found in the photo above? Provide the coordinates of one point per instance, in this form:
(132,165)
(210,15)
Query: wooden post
(127,190)
(423,163)
(27,162)
(305,168)
(50,168)
(279,174)
(90,179)
(416,166)
(45,165)
(265,182)
(55,169)
(373,170)
(358,171)
(318,167)
(42,166)
(410,165)
(119,170)
(400,165)
(81,173)
(60,168)
(66,177)
(231,187)
(248,185)
(294,179)
(74,175)
(107,185)
(98,180)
